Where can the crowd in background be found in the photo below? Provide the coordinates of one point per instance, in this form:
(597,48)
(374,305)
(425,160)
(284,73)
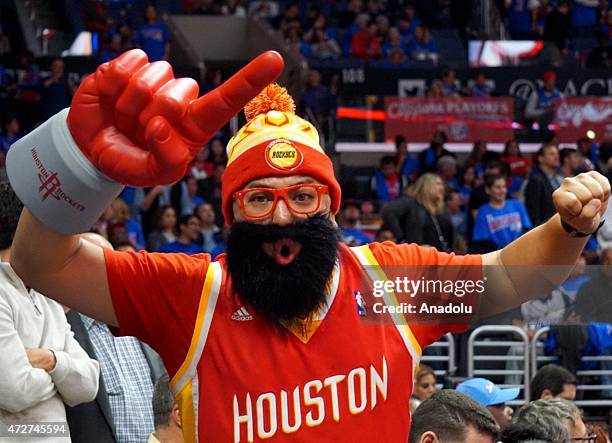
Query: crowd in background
(388,32)
(471,203)
(479,410)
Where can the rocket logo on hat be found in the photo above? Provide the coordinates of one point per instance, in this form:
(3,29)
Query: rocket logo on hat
(275,142)
(283,155)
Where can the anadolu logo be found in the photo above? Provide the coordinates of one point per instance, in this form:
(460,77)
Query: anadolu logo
(283,155)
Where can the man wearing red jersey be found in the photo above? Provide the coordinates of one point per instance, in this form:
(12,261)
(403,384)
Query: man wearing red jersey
(269,341)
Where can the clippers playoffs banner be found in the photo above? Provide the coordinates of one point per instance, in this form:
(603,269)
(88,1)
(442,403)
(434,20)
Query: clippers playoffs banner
(463,119)
(577,115)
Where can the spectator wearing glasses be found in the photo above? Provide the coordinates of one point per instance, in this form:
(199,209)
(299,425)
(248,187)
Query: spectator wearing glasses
(560,419)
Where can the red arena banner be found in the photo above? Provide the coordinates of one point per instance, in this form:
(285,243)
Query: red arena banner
(465,119)
(577,115)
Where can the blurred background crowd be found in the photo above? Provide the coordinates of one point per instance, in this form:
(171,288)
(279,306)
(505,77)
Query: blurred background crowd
(470,197)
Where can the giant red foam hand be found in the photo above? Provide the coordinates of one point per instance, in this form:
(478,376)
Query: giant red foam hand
(142,127)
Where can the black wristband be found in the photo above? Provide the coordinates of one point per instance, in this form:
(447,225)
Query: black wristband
(572,231)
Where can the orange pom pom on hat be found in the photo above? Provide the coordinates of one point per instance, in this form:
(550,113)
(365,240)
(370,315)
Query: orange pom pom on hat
(275,143)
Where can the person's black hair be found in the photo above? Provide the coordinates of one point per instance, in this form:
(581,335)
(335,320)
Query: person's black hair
(184,219)
(553,378)
(448,414)
(399,139)
(447,71)
(387,159)
(507,146)
(490,179)
(520,432)
(163,403)
(566,153)
(543,148)
(442,134)
(10,210)
(504,168)
(6,119)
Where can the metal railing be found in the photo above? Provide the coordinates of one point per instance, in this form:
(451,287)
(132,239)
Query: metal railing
(537,360)
(474,357)
(447,344)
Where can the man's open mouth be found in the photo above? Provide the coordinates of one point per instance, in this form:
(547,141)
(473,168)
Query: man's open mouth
(283,251)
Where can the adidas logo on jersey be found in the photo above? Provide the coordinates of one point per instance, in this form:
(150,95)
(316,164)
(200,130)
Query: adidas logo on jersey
(242,315)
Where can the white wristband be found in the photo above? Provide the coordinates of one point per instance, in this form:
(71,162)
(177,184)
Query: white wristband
(55,181)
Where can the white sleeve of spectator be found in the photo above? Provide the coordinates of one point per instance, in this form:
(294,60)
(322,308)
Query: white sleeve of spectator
(592,3)
(604,235)
(531,110)
(533,4)
(21,385)
(76,376)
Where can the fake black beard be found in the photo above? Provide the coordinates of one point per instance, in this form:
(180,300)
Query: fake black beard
(283,292)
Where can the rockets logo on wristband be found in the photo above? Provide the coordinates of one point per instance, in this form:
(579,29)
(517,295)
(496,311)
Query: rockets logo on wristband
(50,184)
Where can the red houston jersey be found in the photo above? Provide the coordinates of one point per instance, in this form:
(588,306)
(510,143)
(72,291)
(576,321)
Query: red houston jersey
(239,377)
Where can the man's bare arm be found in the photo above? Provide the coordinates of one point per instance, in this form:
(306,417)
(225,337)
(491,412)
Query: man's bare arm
(529,267)
(537,262)
(63,267)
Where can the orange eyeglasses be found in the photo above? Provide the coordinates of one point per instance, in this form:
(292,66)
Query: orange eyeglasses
(259,203)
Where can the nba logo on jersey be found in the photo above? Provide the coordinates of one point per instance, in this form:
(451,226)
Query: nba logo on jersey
(361,304)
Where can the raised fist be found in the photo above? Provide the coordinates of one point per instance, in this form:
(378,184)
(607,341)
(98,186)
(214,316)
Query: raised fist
(142,127)
(582,200)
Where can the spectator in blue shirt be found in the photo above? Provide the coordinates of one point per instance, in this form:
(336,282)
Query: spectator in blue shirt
(502,220)
(467,181)
(192,190)
(481,86)
(394,41)
(189,233)
(57,90)
(10,133)
(590,155)
(519,19)
(584,16)
(153,37)
(542,103)
(407,163)
(422,46)
(449,83)
(348,225)
(112,49)
(121,214)
(210,232)
(456,212)
(387,183)
(429,157)
(408,22)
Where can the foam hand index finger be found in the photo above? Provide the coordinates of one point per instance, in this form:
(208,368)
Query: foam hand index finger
(213,110)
